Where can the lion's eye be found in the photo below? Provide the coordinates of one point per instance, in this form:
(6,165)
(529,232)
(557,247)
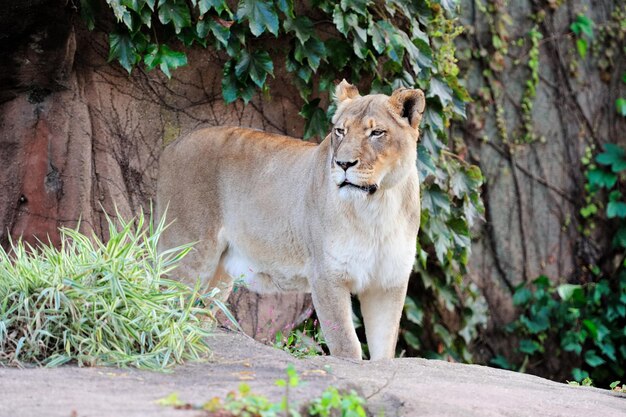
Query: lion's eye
(377,133)
(339,131)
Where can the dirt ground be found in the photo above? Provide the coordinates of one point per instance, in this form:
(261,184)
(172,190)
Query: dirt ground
(402,387)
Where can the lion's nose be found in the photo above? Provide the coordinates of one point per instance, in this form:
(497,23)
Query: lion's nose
(346,164)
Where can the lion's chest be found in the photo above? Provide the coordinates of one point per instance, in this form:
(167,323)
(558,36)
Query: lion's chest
(384,260)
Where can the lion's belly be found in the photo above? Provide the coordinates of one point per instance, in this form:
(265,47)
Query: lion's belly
(382,263)
(265,276)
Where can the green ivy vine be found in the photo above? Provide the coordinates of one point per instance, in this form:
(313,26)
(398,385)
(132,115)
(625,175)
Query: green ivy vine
(493,56)
(385,45)
(579,325)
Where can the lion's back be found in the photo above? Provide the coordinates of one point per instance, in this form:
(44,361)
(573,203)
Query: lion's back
(218,171)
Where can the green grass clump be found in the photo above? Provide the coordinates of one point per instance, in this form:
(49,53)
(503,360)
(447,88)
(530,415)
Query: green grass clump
(99,303)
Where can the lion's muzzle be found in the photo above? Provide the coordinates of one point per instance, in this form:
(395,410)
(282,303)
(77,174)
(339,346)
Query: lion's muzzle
(370,189)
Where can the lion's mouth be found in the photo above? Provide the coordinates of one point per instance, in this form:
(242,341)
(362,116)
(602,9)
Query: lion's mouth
(370,189)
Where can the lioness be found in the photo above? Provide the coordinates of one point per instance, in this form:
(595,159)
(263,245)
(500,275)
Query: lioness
(336,218)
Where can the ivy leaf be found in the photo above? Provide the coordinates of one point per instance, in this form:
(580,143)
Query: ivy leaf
(302,26)
(313,50)
(221,33)
(218,5)
(316,121)
(122,48)
(260,14)
(458,107)
(378,37)
(360,48)
(582,25)
(608,350)
(538,323)
(166,58)
(579,374)
(122,14)
(425,163)
(177,13)
(433,119)
(146,17)
(601,178)
(614,156)
(338,53)
(473,208)
(435,201)
(171,59)
(571,343)
(581,47)
(620,104)
(569,292)
(345,22)
(257,65)
(440,90)
(459,232)
(88,13)
(411,340)
(305,74)
(522,296)
(419,52)
(395,43)
(501,362)
(616,209)
(358,6)
(593,359)
(463,181)
(439,234)
(134,5)
(429,139)
(286,6)
(413,313)
(529,347)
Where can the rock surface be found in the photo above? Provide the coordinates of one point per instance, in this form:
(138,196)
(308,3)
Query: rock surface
(402,387)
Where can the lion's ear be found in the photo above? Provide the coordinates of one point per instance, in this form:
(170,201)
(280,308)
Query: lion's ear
(408,104)
(345,91)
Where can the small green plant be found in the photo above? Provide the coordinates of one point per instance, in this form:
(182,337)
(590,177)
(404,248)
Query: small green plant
(587,382)
(99,303)
(304,341)
(582,27)
(332,401)
(615,386)
(244,402)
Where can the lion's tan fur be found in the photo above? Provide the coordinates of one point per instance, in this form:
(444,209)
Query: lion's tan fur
(269,209)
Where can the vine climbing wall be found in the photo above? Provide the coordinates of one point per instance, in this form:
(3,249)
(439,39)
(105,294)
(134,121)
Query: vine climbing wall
(541,99)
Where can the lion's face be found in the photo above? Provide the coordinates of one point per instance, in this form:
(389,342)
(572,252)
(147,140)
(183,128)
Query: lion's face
(374,139)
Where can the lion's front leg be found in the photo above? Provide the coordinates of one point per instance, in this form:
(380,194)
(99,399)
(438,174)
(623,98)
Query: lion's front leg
(334,311)
(382,310)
